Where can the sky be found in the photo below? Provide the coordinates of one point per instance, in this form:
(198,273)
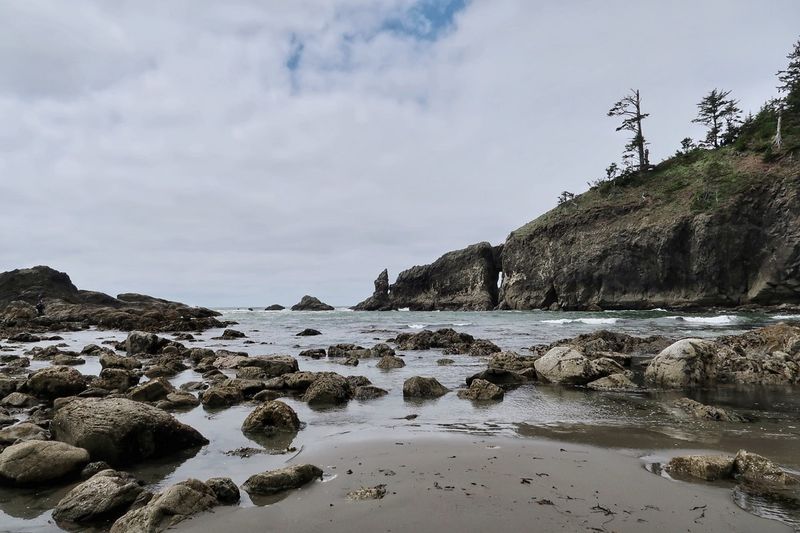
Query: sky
(249,152)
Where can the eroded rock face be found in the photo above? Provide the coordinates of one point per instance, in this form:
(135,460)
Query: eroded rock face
(688,362)
(460,280)
(35,462)
(446,339)
(271,417)
(106,495)
(168,508)
(121,431)
(757,470)
(422,387)
(706,467)
(380,299)
(566,366)
(706,412)
(275,481)
(310,303)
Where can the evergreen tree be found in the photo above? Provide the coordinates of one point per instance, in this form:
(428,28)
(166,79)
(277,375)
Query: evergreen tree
(720,115)
(630,109)
(790,81)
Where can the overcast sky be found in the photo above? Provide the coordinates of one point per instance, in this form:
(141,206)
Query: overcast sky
(249,152)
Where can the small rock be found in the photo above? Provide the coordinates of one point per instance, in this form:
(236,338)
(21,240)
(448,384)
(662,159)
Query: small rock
(367,493)
(225,490)
(422,387)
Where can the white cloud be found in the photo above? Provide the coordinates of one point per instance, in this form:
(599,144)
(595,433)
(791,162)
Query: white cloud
(167,148)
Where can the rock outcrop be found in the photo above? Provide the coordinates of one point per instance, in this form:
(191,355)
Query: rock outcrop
(380,299)
(310,303)
(67,307)
(463,280)
(121,431)
(105,496)
(36,462)
(423,387)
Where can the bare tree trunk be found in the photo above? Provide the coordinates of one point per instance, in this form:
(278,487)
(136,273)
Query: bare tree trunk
(777,141)
(639,135)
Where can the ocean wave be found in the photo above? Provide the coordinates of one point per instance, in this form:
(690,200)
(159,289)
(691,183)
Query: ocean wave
(461,324)
(591,321)
(416,326)
(785,317)
(719,320)
(404,309)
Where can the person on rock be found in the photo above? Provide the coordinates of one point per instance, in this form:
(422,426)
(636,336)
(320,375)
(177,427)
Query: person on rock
(40,306)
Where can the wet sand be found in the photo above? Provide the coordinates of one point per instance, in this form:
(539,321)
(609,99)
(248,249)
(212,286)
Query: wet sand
(469,483)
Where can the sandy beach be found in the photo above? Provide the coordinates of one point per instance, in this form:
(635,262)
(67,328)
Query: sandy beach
(469,483)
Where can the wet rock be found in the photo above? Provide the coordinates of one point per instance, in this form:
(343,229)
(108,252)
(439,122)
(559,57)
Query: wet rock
(19,399)
(511,361)
(380,299)
(299,381)
(481,390)
(444,362)
(706,467)
(348,350)
(179,400)
(427,340)
(308,332)
(479,348)
(706,412)
(68,360)
(565,366)
(271,417)
(35,462)
(224,489)
(613,344)
(309,303)
(381,350)
(358,381)
(219,395)
(503,378)
(422,387)
(55,382)
(367,493)
(122,431)
(111,360)
(24,337)
(368,392)
(94,468)
(168,508)
(275,481)
(152,391)
(140,342)
(328,389)
(117,379)
(96,351)
(274,307)
(314,353)
(228,360)
(22,432)
(230,334)
(614,382)
(272,365)
(350,361)
(390,361)
(105,496)
(686,363)
(756,470)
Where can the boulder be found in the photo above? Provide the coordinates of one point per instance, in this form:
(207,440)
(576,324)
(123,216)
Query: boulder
(348,350)
(55,382)
(686,363)
(272,365)
(706,412)
(481,390)
(756,470)
(64,359)
(422,387)
(140,342)
(308,332)
(388,362)
(566,366)
(274,307)
(18,399)
(122,431)
(225,490)
(328,389)
(152,391)
(275,481)
(314,353)
(168,508)
(368,392)
(230,334)
(511,361)
(105,496)
(220,395)
(503,378)
(614,382)
(271,417)
(39,462)
(309,303)
(111,360)
(706,467)
(117,379)
(22,432)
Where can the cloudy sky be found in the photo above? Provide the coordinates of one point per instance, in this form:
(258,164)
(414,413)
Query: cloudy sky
(251,151)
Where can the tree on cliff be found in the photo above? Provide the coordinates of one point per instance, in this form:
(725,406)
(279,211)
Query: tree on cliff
(720,115)
(630,109)
(790,81)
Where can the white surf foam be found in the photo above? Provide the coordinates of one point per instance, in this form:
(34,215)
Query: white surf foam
(719,320)
(591,321)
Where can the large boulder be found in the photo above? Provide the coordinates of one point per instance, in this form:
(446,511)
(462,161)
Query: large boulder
(36,462)
(701,411)
(271,417)
(389,362)
(328,389)
(55,382)
(168,508)
(310,303)
(122,431)
(275,481)
(272,365)
(140,342)
(481,390)
(512,361)
(423,387)
(566,366)
(502,378)
(21,432)
(756,470)
(686,363)
(152,391)
(105,496)
(706,467)
(222,395)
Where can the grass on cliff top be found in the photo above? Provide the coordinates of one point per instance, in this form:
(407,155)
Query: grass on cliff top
(696,182)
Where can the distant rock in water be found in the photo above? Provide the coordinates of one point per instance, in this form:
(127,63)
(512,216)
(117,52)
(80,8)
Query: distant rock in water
(274,307)
(380,299)
(64,306)
(309,303)
(464,280)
